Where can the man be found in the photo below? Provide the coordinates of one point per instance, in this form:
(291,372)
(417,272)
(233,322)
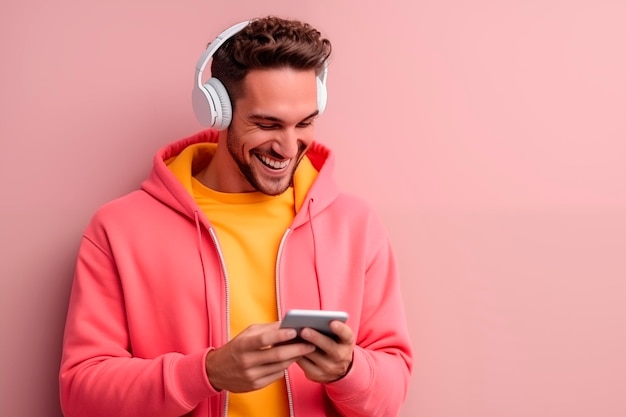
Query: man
(180,286)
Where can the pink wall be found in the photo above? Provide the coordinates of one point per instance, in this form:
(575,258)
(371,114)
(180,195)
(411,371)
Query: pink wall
(491,135)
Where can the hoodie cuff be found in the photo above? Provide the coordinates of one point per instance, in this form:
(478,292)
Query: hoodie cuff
(190,382)
(357,382)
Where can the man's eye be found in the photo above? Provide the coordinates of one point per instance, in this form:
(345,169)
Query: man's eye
(305,124)
(266,127)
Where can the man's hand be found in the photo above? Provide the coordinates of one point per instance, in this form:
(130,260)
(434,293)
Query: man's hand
(250,361)
(331,360)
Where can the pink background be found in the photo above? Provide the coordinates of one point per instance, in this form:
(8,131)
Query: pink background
(491,136)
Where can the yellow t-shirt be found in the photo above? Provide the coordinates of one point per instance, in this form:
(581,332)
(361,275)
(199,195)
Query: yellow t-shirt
(249,228)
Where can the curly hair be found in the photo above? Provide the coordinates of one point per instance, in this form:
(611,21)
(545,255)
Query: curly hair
(269,42)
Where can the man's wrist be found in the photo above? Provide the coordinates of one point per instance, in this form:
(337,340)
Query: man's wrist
(207,366)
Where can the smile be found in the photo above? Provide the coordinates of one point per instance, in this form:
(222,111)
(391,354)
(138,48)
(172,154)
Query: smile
(272,163)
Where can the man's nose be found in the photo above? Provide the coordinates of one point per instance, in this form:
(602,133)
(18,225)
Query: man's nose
(288,143)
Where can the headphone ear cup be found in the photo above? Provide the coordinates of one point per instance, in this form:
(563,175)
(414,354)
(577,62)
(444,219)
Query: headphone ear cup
(321,95)
(211,104)
(203,105)
(223,109)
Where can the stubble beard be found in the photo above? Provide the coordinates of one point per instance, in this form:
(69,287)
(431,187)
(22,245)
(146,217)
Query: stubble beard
(276,186)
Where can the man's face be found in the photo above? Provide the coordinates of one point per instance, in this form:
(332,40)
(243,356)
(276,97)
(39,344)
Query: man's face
(272,128)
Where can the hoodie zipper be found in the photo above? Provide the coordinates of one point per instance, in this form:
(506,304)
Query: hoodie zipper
(220,255)
(280,315)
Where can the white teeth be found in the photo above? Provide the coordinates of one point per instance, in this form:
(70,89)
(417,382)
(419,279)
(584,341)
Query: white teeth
(273,163)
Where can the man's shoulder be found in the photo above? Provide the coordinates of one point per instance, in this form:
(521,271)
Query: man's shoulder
(346,201)
(126,202)
(354,209)
(127,206)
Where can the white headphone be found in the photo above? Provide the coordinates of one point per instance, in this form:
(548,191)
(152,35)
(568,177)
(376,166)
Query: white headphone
(210,100)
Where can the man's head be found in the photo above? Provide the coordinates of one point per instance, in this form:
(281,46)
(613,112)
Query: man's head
(270,71)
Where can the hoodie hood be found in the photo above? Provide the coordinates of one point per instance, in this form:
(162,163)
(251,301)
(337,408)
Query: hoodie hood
(164,186)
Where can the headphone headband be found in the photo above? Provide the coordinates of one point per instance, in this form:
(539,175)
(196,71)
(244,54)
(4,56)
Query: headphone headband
(216,43)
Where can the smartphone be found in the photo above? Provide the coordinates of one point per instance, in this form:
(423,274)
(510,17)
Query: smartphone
(315,319)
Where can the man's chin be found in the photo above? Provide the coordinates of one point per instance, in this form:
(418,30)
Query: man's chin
(273,191)
(273,188)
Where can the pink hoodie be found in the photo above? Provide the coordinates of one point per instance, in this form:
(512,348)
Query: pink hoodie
(150,298)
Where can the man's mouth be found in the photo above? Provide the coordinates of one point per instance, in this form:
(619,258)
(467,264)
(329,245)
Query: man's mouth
(272,163)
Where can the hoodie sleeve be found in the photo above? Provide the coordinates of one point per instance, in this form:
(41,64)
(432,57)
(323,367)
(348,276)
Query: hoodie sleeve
(99,374)
(378,380)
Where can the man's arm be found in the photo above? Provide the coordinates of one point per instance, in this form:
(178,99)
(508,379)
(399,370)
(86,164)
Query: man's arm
(99,375)
(378,379)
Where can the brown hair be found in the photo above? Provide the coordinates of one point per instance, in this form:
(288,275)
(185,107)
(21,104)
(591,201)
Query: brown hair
(270,42)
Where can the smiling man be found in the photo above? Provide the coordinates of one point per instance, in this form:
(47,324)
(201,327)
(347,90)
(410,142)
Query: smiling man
(180,286)
(271,130)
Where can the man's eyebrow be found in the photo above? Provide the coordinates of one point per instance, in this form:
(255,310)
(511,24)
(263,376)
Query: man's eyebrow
(261,116)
